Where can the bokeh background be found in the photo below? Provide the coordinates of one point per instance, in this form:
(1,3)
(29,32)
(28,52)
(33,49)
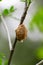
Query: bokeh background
(30,52)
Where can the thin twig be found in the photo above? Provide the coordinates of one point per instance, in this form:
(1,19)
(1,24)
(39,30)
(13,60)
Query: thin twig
(26,3)
(25,12)
(12,51)
(29,3)
(9,39)
(22,20)
(40,62)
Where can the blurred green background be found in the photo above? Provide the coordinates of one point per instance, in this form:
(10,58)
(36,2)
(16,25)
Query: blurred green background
(29,52)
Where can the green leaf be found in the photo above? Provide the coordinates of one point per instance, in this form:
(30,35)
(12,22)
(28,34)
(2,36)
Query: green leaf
(6,12)
(12,9)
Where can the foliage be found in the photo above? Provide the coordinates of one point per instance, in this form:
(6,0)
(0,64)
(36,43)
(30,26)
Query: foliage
(39,53)
(6,12)
(37,20)
(12,9)
(3,61)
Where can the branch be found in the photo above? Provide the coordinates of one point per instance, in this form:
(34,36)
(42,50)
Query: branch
(40,62)
(21,21)
(10,45)
(29,3)
(25,12)
(12,51)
